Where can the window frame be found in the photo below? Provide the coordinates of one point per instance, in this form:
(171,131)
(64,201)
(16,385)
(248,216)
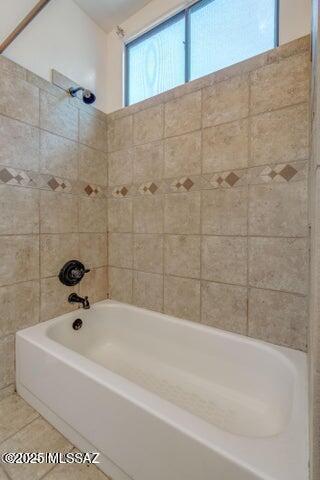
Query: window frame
(185,12)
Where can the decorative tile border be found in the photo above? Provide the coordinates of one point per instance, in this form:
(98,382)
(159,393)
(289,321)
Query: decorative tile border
(17,177)
(22,178)
(280,173)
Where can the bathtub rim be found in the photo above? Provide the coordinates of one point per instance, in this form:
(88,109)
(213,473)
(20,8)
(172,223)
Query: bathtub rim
(206,434)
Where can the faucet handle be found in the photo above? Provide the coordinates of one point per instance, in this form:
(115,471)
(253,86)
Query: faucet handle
(72,273)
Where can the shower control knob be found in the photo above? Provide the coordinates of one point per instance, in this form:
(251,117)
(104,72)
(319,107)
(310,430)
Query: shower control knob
(72,273)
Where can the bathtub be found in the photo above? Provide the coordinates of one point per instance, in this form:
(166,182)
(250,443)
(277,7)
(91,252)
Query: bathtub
(163,398)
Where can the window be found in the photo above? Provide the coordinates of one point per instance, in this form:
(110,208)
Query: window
(208,36)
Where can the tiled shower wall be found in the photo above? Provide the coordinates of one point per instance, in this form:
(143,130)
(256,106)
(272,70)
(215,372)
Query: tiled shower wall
(207,207)
(53,173)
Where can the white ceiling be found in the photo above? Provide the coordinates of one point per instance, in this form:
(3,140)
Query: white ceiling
(109,13)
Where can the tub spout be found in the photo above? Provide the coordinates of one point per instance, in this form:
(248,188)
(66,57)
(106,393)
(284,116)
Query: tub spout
(74,298)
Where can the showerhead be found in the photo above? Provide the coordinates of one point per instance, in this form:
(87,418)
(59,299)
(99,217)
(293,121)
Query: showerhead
(87,96)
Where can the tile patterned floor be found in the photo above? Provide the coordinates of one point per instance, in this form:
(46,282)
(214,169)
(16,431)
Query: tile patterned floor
(23,429)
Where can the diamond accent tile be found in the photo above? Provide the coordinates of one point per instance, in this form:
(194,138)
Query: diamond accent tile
(11,176)
(120,191)
(225,180)
(153,188)
(59,185)
(232,179)
(188,184)
(184,184)
(88,190)
(278,173)
(288,172)
(148,188)
(5,175)
(92,190)
(53,184)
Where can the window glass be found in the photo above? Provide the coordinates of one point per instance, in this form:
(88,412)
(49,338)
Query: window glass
(224,32)
(208,36)
(156,61)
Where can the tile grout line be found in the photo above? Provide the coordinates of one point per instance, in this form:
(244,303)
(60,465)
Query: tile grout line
(253,115)
(163,140)
(287,292)
(23,427)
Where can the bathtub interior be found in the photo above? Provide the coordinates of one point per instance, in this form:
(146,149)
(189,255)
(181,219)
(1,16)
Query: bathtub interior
(238,385)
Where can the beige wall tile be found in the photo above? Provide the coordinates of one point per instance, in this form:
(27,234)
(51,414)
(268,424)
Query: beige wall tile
(224,212)
(94,285)
(120,215)
(15,414)
(182,213)
(92,215)
(120,167)
(55,251)
(38,436)
(148,253)
(57,116)
(92,131)
(182,298)
(58,156)
(120,133)
(183,155)
(6,361)
(19,144)
(279,318)
(93,249)
(280,136)
(148,214)
(279,263)
(93,166)
(281,84)
(9,67)
(19,99)
(58,212)
(54,298)
(226,147)
(182,255)
(19,210)
(148,125)
(44,84)
(278,209)
(120,284)
(224,306)
(226,101)
(19,307)
(148,162)
(148,290)
(224,259)
(120,250)
(183,114)
(19,258)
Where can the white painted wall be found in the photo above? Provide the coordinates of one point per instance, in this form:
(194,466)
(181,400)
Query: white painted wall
(295,21)
(62,37)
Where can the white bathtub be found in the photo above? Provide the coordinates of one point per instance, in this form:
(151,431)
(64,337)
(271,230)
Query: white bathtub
(163,398)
